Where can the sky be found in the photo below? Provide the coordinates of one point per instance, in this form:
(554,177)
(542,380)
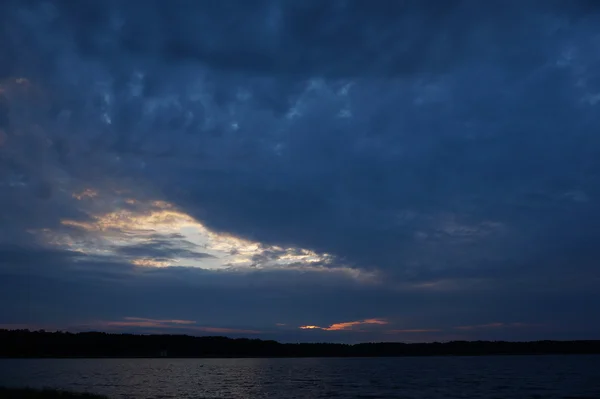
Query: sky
(340,171)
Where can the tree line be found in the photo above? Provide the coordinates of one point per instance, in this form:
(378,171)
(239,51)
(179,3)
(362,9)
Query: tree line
(25,343)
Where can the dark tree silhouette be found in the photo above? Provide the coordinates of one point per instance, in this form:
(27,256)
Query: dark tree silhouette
(25,343)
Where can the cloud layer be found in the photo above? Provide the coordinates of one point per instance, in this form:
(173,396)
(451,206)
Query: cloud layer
(267,165)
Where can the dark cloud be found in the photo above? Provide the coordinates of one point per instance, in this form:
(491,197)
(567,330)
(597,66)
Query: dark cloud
(449,149)
(265,37)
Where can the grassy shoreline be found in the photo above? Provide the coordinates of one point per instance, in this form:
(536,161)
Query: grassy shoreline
(30,393)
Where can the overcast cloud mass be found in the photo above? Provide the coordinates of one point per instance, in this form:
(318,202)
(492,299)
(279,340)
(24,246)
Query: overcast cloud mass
(301,170)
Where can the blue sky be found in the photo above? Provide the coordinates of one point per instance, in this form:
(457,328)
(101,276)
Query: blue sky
(302,171)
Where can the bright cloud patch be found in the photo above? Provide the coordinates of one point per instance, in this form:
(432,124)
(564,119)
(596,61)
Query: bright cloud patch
(157,234)
(349,325)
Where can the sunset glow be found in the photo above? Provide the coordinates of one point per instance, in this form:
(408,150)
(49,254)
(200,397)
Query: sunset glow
(349,325)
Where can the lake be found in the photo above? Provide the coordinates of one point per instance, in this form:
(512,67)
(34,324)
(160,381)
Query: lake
(421,377)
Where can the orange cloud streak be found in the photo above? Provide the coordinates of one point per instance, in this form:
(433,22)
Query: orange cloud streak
(348,325)
(186,325)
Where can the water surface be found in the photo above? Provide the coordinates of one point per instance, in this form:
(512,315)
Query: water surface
(422,377)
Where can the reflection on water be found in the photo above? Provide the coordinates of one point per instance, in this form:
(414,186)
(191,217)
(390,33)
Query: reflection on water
(436,377)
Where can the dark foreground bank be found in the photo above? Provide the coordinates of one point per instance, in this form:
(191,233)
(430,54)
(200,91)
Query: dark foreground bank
(26,393)
(25,343)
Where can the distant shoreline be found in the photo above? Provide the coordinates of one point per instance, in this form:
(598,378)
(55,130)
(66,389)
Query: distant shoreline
(24,344)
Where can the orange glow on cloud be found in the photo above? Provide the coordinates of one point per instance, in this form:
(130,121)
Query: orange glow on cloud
(187,325)
(169,221)
(345,325)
